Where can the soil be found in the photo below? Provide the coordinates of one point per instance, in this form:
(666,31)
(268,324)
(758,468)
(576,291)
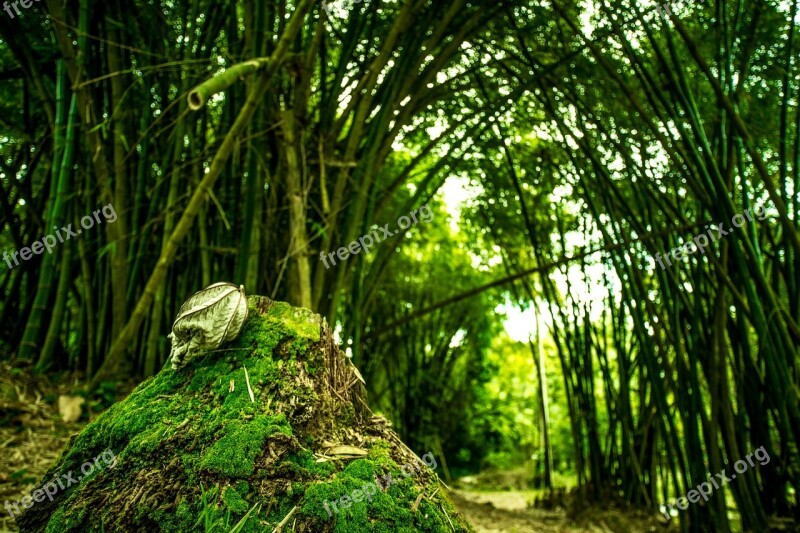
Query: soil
(509,511)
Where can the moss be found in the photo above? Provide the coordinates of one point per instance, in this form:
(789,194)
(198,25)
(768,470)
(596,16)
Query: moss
(204,377)
(305,465)
(379,509)
(184,511)
(57,521)
(184,514)
(242,487)
(302,323)
(234,502)
(360,469)
(189,430)
(190,468)
(234,454)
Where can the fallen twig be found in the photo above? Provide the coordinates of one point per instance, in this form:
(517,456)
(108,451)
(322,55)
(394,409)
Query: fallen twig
(249,389)
(283,522)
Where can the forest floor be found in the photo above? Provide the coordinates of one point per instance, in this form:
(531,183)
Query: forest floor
(510,511)
(33,433)
(26,454)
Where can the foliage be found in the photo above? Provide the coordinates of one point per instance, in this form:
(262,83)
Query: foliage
(590,138)
(215,457)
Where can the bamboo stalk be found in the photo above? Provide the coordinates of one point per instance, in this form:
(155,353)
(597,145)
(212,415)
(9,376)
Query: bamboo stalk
(115,361)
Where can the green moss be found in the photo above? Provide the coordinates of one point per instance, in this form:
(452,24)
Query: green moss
(190,467)
(205,376)
(362,469)
(301,322)
(185,514)
(234,454)
(234,501)
(306,466)
(348,414)
(194,431)
(184,511)
(387,509)
(243,487)
(57,522)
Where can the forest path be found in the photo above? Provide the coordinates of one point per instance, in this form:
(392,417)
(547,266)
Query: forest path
(508,511)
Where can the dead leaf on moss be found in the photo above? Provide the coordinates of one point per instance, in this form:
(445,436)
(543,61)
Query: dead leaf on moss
(340,452)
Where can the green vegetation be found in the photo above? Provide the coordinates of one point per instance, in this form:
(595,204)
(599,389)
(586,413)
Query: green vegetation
(234,454)
(531,333)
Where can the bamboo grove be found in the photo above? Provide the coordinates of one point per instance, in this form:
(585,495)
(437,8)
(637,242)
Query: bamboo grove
(241,140)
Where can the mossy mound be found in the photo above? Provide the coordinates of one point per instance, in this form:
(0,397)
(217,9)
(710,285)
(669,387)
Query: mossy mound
(192,452)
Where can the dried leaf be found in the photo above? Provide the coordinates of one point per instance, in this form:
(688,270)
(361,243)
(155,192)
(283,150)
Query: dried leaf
(207,319)
(346,450)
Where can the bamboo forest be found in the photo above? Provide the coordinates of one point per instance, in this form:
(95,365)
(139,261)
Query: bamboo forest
(400,265)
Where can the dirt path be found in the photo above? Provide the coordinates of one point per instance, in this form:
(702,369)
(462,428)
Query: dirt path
(502,512)
(496,512)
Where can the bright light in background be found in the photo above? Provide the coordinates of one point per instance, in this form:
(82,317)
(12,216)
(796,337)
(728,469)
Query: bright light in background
(589,11)
(458,191)
(458,338)
(455,193)
(591,294)
(519,325)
